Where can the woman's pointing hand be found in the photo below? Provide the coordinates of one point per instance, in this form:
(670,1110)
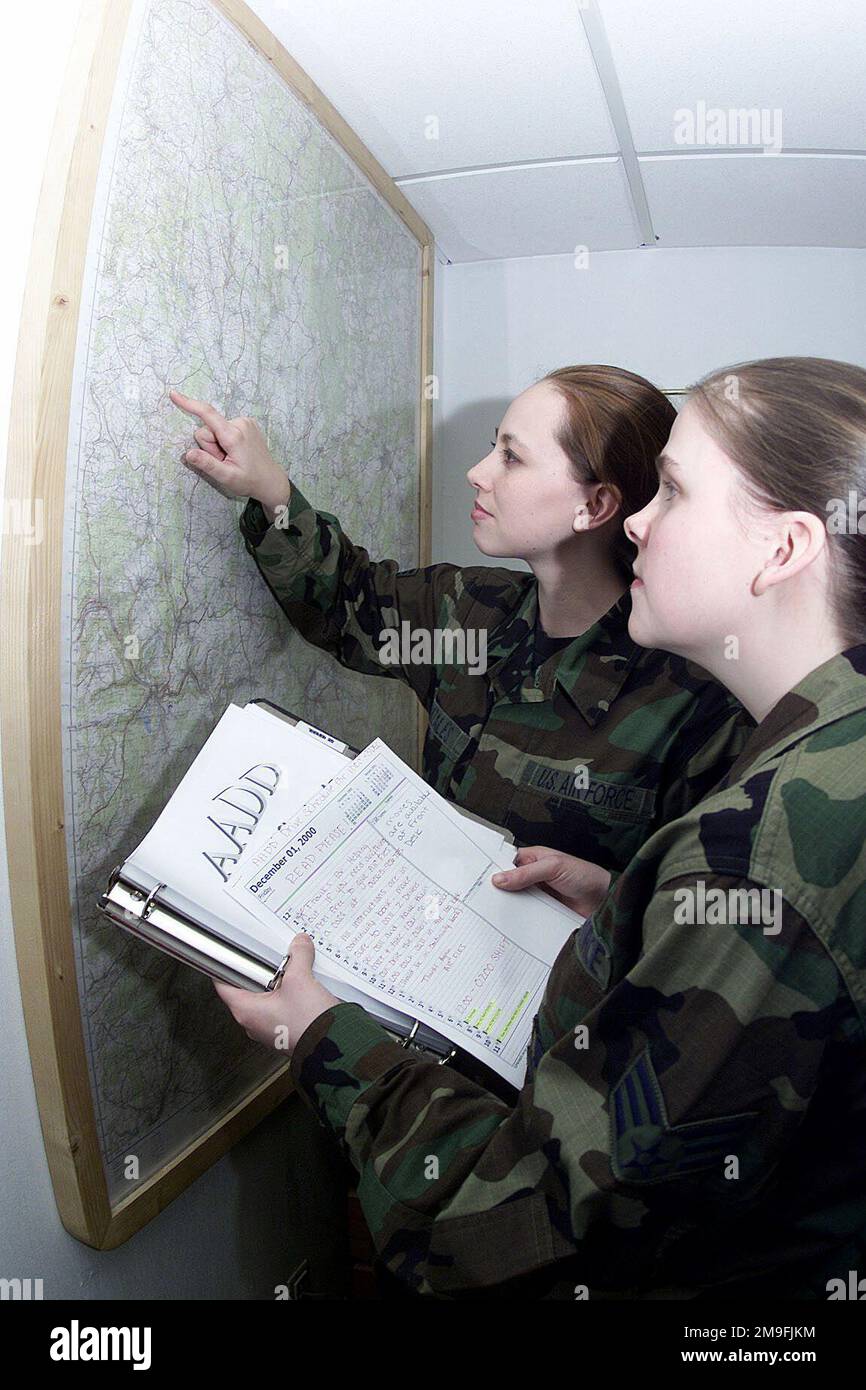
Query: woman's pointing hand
(233,455)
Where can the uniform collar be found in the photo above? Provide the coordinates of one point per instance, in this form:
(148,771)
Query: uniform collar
(590,670)
(834,689)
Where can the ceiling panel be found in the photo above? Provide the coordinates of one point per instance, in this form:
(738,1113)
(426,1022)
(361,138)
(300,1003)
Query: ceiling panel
(805,59)
(757,200)
(510,91)
(506,80)
(528,211)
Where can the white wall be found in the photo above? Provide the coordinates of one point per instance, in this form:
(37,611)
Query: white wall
(670,315)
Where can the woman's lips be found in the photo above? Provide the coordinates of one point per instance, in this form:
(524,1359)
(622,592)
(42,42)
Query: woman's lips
(478,513)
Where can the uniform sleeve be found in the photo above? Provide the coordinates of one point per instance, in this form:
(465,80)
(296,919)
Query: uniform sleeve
(671,1111)
(342,601)
(705,751)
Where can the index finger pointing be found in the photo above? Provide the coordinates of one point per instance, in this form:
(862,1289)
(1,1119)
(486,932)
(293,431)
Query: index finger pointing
(207,413)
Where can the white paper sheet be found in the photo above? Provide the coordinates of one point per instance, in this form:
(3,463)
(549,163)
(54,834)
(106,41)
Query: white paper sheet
(252,770)
(392,885)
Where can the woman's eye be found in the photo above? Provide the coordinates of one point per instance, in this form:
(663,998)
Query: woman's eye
(506,453)
(671,488)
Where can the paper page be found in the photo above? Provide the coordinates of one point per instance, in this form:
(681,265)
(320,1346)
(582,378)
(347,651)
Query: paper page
(386,878)
(250,772)
(192,843)
(483,835)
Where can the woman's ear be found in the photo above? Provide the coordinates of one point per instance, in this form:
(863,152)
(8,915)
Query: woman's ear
(599,506)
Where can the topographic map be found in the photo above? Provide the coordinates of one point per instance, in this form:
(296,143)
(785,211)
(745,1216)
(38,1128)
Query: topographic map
(237,254)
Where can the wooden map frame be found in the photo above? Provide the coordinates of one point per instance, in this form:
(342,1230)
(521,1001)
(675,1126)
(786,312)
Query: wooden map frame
(30,682)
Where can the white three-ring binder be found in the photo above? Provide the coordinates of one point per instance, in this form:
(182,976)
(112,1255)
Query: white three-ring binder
(161,913)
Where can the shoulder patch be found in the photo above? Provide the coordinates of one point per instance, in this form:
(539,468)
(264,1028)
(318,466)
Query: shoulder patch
(646,1148)
(593,953)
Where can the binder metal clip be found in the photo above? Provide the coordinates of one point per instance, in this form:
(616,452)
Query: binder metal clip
(149,900)
(444,1060)
(410,1036)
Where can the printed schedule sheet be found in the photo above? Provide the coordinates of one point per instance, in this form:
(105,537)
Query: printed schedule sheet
(393,885)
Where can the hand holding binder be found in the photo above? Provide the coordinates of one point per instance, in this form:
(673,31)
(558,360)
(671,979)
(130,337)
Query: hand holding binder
(278,828)
(278,1017)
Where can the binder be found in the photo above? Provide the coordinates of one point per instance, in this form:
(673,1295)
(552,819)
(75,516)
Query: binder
(161,916)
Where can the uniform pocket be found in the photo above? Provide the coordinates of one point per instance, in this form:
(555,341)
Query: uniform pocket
(492,1246)
(461,1252)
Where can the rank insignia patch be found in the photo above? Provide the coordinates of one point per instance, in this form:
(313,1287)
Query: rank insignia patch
(646,1148)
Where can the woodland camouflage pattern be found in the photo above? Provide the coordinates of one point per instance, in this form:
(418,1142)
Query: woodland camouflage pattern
(704,1041)
(655,732)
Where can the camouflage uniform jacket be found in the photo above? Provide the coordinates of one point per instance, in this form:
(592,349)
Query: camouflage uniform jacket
(653,732)
(707,1133)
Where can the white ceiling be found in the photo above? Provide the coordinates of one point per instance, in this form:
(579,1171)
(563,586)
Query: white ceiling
(553,121)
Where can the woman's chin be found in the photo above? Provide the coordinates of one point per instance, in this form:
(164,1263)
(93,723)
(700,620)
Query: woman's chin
(484,543)
(640,630)
(645,633)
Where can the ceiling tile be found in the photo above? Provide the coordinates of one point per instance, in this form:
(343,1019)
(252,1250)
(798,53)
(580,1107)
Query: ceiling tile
(528,212)
(757,200)
(505,80)
(802,58)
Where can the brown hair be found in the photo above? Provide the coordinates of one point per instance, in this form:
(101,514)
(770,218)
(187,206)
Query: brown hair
(795,427)
(615,425)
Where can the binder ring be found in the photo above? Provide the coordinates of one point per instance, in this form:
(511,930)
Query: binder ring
(443,1060)
(410,1036)
(148,902)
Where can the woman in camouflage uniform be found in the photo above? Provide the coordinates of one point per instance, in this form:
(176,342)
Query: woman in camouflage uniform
(568,734)
(693,1120)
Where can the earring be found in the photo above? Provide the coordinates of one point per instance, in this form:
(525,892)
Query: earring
(581,519)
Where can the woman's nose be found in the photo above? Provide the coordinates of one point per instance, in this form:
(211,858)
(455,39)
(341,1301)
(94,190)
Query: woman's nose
(475,477)
(635,526)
